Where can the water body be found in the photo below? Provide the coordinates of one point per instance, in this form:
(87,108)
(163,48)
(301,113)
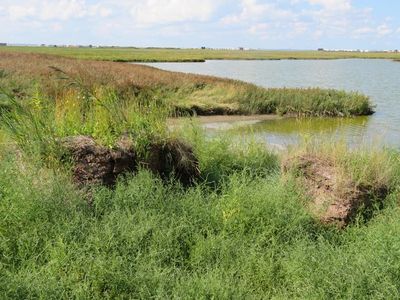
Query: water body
(379,79)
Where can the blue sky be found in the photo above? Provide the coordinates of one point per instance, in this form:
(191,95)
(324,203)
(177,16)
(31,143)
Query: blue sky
(275,24)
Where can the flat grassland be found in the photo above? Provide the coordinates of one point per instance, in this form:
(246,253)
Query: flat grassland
(194,55)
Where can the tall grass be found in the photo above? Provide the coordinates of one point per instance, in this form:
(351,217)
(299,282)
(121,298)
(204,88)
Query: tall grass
(251,238)
(37,124)
(183,93)
(305,102)
(366,166)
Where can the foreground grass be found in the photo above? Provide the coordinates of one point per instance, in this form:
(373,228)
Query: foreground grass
(242,231)
(182,55)
(248,237)
(60,79)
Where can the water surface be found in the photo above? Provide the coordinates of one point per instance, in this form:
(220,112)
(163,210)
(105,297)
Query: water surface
(379,79)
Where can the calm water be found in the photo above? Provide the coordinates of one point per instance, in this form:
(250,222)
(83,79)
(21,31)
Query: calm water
(379,79)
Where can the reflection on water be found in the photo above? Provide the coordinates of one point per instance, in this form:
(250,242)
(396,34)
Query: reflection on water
(290,126)
(286,131)
(292,131)
(378,79)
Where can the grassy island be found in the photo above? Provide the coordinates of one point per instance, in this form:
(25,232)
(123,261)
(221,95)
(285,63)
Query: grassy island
(245,227)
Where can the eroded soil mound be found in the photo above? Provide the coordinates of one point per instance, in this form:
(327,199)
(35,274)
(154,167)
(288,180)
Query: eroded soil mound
(336,198)
(173,158)
(96,164)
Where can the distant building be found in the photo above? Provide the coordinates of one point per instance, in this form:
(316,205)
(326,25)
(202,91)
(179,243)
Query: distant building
(321,49)
(241,48)
(3,44)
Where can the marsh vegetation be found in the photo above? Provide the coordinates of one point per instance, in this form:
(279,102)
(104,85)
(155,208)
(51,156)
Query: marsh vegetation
(243,229)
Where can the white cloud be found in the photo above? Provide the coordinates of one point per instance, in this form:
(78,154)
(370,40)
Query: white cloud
(251,10)
(379,31)
(18,11)
(62,9)
(54,10)
(384,30)
(150,12)
(99,11)
(278,21)
(259,29)
(333,5)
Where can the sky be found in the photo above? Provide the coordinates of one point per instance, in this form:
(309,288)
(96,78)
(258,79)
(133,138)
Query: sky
(259,24)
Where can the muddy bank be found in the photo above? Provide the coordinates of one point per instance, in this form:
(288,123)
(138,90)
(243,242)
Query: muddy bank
(227,118)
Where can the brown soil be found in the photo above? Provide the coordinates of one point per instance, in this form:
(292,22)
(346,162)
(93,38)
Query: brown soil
(336,199)
(173,158)
(91,162)
(96,164)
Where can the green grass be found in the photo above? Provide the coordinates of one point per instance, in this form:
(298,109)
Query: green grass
(242,231)
(250,238)
(182,55)
(67,79)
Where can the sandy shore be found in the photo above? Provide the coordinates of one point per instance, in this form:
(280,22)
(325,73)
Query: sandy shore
(227,119)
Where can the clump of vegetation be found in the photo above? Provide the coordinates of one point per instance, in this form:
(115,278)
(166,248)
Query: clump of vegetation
(305,102)
(343,184)
(182,94)
(37,123)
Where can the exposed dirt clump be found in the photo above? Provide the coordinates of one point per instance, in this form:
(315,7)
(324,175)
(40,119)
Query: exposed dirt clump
(124,156)
(336,198)
(96,164)
(173,158)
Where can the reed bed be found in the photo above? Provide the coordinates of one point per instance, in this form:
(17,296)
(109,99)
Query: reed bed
(183,93)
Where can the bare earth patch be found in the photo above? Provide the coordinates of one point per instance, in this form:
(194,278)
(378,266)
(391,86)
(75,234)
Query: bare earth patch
(227,118)
(335,198)
(95,164)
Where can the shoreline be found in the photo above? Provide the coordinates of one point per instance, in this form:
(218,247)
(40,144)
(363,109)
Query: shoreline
(227,118)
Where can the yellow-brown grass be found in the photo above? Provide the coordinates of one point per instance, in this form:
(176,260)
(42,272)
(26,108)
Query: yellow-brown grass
(184,93)
(99,72)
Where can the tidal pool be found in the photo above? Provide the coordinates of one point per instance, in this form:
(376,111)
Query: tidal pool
(379,79)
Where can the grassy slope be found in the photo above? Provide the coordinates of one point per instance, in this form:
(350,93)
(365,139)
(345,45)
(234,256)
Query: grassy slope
(184,93)
(161,55)
(249,238)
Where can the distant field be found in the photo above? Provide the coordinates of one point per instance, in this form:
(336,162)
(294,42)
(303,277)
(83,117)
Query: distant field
(182,55)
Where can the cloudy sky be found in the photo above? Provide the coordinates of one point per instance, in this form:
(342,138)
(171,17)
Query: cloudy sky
(267,24)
